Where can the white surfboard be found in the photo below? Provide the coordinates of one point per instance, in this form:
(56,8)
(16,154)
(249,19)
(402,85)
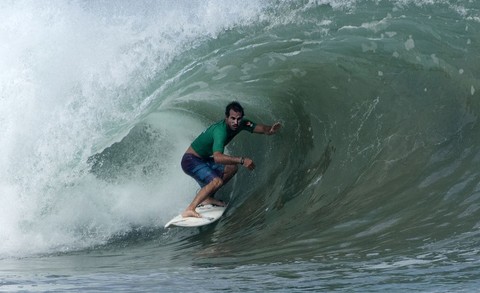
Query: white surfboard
(209,213)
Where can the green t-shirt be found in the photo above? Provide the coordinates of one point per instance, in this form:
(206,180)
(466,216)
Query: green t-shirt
(217,136)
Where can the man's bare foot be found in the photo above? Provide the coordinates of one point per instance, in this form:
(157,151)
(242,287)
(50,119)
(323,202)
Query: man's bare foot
(212,201)
(190,213)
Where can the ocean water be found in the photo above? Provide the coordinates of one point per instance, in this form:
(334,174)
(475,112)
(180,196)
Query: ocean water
(371,185)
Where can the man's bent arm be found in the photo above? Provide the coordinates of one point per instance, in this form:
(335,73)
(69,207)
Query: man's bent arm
(226,159)
(231,160)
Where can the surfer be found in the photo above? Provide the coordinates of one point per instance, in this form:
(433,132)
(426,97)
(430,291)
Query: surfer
(206,162)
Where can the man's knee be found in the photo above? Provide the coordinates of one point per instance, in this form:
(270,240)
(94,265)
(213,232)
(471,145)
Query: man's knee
(216,182)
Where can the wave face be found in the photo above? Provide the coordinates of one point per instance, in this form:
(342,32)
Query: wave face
(378,156)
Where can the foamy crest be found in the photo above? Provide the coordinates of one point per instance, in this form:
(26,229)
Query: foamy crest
(73,80)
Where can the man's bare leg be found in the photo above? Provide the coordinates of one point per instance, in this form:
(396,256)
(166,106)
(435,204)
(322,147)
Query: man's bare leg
(201,196)
(229,172)
(204,196)
(213,201)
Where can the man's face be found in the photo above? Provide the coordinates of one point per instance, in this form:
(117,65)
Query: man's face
(234,119)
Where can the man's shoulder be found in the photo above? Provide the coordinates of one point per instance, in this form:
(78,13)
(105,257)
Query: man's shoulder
(219,128)
(214,126)
(248,125)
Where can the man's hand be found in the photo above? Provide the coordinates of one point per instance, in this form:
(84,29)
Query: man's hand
(248,163)
(274,128)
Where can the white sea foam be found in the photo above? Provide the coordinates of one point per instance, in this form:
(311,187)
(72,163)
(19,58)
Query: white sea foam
(73,78)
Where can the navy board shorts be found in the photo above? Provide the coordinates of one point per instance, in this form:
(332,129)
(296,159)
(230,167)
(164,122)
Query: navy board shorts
(202,170)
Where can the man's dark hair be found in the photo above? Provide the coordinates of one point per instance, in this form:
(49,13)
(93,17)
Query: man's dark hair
(235,106)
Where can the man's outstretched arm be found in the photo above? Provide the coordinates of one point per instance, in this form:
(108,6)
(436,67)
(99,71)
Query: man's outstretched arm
(267,129)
